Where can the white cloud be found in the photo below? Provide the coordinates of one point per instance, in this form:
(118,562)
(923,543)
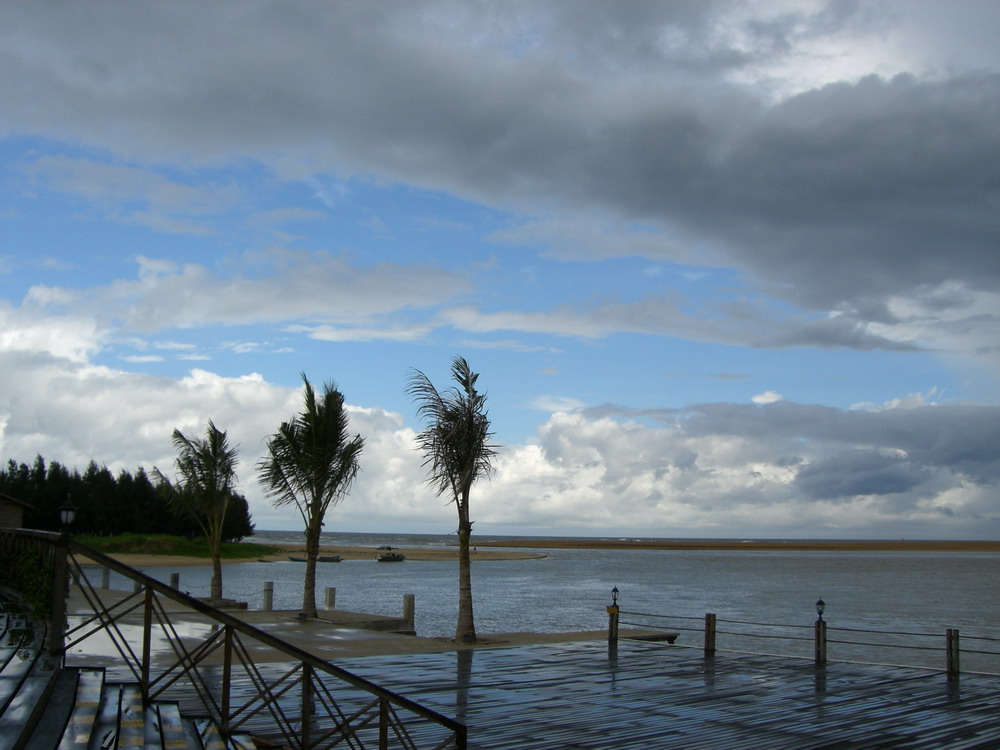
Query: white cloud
(767,397)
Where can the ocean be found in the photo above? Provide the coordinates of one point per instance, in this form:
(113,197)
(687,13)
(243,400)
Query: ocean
(911,592)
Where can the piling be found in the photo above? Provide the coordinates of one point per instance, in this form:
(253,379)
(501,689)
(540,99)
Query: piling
(330,598)
(268,603)
(409,611)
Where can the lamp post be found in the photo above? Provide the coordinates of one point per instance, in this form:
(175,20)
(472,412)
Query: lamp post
(820,633)
(67,514)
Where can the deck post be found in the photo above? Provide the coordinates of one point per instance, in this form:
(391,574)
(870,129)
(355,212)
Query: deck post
(613,611)
(820,642)
(147,639)
(409,611)
(268,603)
(709,634)
(952,654)
(330,600)
(60,574)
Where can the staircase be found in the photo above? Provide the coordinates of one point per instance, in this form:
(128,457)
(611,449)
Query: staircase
(44,706)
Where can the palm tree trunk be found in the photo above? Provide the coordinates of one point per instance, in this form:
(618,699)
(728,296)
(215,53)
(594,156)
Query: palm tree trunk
(465,631)
(215,548)
(309,584)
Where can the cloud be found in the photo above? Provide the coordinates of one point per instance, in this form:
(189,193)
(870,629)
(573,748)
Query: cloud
(767,397)
(723,134)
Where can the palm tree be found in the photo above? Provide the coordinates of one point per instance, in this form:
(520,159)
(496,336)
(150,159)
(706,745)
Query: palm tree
(456,448)
(312,463)
(206,474)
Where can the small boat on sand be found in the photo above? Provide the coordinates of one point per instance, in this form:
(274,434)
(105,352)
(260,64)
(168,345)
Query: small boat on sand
(385,554)
(321,558)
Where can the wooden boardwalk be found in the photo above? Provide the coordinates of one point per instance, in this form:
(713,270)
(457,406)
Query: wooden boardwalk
(573,695)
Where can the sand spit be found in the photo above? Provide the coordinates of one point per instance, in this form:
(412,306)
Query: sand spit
(413,554)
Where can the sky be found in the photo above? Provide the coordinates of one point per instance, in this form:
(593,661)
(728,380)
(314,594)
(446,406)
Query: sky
(726,269)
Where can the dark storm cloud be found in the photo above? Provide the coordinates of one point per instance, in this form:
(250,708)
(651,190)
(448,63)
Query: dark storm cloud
(835,199)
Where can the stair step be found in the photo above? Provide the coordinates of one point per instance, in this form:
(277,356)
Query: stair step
(86,707)
(46,729)
(105,731)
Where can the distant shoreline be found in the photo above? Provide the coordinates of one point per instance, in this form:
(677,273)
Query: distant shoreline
(798,545)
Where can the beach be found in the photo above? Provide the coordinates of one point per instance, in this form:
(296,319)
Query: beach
(346,552)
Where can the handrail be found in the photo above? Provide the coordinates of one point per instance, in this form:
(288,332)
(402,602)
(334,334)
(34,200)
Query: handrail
(308,664)
(820,637)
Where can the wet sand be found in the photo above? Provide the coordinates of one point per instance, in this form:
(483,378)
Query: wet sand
(347,553)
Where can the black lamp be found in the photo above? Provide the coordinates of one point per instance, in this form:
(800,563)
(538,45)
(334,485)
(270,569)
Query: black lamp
(614,597)
(67,514)
(820,608)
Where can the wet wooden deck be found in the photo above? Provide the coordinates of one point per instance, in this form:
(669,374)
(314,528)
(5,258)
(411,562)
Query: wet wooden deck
(656,696)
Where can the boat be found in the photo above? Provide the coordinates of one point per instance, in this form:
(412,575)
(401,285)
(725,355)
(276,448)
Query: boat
(385,554)
(321,558)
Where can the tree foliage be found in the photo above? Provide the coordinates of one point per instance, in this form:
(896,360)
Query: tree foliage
(206,475)
(107,504)
(311,463)
(457,451)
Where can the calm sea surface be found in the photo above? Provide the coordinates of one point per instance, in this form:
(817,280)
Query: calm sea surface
(921,592)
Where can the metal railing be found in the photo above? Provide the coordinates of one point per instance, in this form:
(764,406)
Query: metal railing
(864,645)
(310,704)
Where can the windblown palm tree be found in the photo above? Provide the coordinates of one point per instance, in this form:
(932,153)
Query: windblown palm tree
(206,474)
(457,451)
(312,462)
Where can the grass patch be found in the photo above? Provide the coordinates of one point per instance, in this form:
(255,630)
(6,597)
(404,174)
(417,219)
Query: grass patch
(164,544)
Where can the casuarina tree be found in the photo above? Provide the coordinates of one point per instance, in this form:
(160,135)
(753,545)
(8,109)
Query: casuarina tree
(206,475)
(311,463)
(457,451)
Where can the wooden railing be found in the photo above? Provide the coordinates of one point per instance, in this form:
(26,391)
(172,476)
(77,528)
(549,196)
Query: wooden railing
(308,704)
(820,638)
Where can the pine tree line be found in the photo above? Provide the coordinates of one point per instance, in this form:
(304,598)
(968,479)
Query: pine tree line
(106,504)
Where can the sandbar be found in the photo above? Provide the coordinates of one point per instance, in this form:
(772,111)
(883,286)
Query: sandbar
(413,554)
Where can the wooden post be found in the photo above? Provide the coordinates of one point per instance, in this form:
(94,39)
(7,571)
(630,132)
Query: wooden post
(175,580)
(383,724)
(709,634)
(952,654)
(57,636)
(330,600)
(105,578)
(307,688)
(147,633)
(820,642)
(409,611)
(268,604)
(227,680)
(613,611)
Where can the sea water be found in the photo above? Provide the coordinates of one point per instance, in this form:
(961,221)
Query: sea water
(569,589)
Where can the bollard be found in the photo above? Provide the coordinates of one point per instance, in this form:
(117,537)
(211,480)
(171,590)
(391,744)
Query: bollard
(330,600)
(613,611)
(709,634)
(175,580)
(268,604)
(105,578)
(952,652)
(820,642)
(409,611)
